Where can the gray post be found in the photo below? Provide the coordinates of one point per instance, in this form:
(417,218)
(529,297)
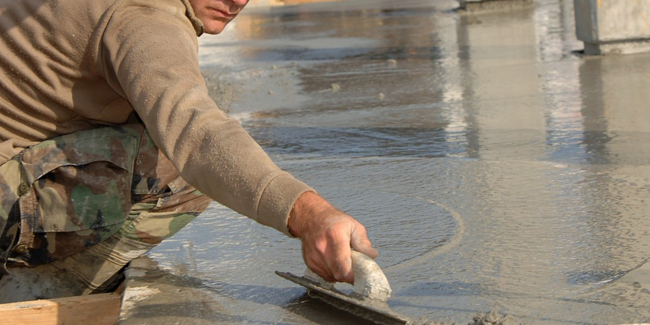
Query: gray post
(613,26)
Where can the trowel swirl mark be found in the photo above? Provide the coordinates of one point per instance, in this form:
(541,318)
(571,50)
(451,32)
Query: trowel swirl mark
(429,254)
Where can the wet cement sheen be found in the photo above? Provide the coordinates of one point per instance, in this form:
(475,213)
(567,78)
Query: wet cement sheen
(495,169)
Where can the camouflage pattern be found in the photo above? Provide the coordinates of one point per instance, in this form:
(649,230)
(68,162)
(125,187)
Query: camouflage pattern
(110,185)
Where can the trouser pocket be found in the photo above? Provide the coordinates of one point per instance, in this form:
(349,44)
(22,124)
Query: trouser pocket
(75,191)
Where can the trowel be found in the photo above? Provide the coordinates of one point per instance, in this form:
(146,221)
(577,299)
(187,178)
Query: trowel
(368,299)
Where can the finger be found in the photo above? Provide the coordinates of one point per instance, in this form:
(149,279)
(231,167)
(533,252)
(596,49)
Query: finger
(316,263)
(360,242)
(341,261)
(321,272)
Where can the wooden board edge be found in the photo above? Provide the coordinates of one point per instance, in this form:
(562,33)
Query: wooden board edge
(101,309)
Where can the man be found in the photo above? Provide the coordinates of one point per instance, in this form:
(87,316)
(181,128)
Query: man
(107,135)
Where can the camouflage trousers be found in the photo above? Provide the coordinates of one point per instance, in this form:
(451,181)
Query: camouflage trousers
(91,201)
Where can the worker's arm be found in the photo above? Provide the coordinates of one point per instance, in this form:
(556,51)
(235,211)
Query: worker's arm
(327,236)
(152,57)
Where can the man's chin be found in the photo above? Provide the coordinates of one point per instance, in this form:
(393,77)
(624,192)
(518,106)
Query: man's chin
(214,27)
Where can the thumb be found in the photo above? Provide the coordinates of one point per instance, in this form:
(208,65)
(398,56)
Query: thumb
(361,243)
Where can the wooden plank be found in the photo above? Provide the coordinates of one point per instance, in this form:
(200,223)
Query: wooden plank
(99,309)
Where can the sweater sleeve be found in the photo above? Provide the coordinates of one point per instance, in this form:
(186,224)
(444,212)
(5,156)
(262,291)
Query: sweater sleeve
(153,54)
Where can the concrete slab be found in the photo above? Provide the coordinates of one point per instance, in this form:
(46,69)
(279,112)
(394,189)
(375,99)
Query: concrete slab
(154,296)
(519,170)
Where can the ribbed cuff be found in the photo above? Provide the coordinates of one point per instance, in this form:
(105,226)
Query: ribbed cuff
(278,199)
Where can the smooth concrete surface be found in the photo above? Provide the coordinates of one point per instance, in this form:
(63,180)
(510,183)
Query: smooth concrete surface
(613,26)
(495,168)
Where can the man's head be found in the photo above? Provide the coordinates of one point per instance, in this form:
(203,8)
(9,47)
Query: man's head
(216,14)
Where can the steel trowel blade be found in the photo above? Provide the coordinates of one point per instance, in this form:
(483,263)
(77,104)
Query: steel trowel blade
(370,309)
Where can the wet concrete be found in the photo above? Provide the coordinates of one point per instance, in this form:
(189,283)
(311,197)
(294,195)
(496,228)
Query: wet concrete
(495,167)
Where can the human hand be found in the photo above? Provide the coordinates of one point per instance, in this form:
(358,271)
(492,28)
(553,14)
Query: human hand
(327,236)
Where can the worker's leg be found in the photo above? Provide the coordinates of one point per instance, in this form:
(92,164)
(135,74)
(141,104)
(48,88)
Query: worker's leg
(150,221)
(104,227)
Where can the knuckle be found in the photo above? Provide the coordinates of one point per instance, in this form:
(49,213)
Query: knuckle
(331,233)
(321,246)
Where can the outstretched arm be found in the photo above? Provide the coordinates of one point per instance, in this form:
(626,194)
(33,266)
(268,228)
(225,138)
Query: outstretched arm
(327,236)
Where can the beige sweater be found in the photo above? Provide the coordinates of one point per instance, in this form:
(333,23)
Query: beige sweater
(70,65)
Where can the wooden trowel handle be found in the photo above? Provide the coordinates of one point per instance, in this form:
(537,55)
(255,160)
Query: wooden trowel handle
(369,280)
